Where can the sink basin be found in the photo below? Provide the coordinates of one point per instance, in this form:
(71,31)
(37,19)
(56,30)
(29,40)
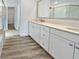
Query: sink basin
(74,29)
(42,20)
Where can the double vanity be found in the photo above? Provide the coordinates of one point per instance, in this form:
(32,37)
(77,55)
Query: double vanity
(61,42)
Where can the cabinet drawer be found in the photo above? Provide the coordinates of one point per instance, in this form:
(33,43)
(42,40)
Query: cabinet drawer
(37,26)
(44,28)
(45,40)
(44,35)
(66,35)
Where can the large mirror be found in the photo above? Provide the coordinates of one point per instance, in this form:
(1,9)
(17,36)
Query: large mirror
(68,9)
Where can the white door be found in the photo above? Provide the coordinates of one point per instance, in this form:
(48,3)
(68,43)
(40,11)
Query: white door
(62,48)
(76,51)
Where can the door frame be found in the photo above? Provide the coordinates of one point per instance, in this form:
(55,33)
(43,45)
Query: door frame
(7,15)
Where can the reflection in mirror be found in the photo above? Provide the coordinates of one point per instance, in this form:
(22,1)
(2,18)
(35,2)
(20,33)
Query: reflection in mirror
(68,9)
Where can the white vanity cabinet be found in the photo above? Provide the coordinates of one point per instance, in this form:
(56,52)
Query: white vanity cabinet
(63,49)
(44,37)
(34,31)
(76,55)
(58,43)
(60,47)
(37,33)
(51,50)
(40,34)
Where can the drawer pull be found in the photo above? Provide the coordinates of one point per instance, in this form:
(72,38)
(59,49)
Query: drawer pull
(71,45)
(77,47)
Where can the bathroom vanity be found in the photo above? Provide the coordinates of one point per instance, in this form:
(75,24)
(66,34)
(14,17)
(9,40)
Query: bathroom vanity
(61,42)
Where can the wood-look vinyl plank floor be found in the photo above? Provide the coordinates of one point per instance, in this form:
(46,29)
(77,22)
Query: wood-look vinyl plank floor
(17,47)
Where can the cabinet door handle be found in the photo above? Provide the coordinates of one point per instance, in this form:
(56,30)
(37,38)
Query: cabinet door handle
(77,47)
(71,45)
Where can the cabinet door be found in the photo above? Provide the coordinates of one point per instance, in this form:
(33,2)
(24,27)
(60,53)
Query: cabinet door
(30,29)
(44,40)
(37,33)
(33,30)
(62,48)
(51,50)
(76,52)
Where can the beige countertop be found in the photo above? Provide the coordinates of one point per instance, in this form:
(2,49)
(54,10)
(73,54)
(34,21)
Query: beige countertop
(69,29)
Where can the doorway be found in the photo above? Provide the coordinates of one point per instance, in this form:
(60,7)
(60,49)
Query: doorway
(11,18)
(11,22)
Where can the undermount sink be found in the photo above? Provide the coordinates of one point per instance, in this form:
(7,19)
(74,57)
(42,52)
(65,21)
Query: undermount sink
(74,29)
(42,20)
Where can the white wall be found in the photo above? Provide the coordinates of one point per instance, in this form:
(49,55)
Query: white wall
(27,11)
(43,8)
(17,17)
